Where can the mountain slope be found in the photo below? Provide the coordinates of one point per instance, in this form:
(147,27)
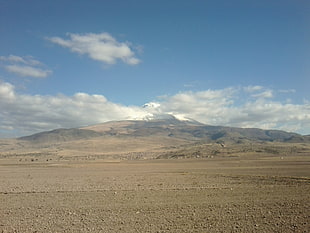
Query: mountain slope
(193,131)
(61,135)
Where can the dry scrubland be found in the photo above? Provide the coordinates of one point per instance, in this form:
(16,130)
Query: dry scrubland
(248,188)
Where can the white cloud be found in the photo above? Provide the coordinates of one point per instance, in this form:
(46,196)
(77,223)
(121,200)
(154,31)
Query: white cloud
(101,47)
(27,71)
(33,113)
(24,66)
(252,88)
(7,91)
(218,107)
(206,106)
(26,114)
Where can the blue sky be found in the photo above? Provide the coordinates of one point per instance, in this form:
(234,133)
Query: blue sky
(73,63)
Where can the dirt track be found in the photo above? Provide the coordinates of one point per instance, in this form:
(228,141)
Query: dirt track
(211,195)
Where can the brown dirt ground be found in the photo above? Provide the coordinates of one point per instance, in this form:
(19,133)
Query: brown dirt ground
(245,194)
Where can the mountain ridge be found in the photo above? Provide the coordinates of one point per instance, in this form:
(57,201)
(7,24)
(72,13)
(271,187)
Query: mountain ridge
(167,127)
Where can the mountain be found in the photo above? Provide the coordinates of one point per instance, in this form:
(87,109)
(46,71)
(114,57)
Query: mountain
(192,130)
(167,126)
(164,137)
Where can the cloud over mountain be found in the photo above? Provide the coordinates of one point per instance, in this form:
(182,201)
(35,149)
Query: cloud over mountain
(233,107)
(24,114)
(27,113)
(101,47)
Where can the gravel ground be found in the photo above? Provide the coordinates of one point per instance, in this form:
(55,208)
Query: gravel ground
(212,195)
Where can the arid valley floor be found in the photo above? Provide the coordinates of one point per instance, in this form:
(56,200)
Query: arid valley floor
(155,176)
(220,194)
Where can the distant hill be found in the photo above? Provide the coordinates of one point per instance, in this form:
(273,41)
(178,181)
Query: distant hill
(168,127)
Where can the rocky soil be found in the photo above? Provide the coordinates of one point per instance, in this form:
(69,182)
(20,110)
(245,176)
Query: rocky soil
(231,194)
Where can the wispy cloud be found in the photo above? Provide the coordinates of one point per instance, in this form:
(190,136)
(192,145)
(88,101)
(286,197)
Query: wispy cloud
(287,91)
(26,114)
(258,91)
(27,71)
(251,89)
(28,60)
(101,47)
(24,66)
(264,94)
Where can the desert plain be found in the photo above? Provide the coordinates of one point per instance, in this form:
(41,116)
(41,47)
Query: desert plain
(248,193)
(53,182)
